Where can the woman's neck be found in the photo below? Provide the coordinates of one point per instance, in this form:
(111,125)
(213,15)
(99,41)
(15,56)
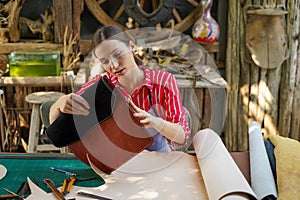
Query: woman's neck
(133,79)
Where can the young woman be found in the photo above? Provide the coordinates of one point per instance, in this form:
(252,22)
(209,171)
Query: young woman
(153,94)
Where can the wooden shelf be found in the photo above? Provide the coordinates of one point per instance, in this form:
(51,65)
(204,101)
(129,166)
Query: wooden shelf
(34,81)
(211,48)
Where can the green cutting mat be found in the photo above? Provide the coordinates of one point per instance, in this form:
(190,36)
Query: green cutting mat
(38,167)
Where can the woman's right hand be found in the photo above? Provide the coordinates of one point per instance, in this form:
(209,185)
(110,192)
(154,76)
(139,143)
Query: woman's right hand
(70,104)
(73,104)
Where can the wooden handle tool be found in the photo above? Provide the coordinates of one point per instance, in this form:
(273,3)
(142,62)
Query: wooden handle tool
(55,191)
(9,196)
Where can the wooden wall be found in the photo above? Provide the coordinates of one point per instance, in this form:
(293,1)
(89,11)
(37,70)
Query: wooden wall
(269,96)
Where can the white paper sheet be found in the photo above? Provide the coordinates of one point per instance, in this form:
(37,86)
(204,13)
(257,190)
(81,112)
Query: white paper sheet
(155,175)
(3,171)
(262,179)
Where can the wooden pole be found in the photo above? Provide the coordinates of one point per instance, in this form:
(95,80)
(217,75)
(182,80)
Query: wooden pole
(288,75)
(295,118)
(244,88)
(231,74)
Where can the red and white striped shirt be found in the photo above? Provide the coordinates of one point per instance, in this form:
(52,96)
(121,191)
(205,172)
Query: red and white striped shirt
(158,91)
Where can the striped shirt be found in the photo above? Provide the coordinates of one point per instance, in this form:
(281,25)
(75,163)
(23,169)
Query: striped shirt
(158,91)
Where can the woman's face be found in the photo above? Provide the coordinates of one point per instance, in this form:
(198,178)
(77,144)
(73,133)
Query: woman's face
(115,57)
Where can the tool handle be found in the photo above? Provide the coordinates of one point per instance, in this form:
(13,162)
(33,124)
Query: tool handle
(9,196)
(63,188)
(55,191)
(93,196)
(71,182)
(25,189)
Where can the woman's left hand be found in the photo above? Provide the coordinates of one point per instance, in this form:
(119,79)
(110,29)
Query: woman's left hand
(144,117)
(170,130)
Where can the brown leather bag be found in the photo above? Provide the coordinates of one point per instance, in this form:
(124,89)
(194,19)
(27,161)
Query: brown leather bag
(110,135)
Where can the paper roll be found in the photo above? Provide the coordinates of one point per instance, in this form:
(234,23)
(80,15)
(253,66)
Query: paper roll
(221,175)
(262,179)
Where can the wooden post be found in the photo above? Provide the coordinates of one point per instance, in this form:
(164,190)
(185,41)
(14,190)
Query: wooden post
(295,124)
(244,90)
(289,70)
(67,13)
(232,75)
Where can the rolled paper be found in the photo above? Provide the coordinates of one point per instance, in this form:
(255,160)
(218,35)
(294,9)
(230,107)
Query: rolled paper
(222,177)
(262,179)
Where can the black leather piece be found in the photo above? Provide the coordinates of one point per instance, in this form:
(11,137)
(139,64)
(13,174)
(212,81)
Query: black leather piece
(68,128)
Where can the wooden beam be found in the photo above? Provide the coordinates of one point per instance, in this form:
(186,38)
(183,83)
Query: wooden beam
(7,48)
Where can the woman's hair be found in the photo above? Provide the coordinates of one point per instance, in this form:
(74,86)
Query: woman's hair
(109,32)
(112,32)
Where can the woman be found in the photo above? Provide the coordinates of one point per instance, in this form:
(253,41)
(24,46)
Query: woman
(154,95)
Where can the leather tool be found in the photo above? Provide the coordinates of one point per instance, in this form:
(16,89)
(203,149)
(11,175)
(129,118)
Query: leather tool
(12,195)
(9,196)
(55,191)
(68,183)
(93,196)
(25,189)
